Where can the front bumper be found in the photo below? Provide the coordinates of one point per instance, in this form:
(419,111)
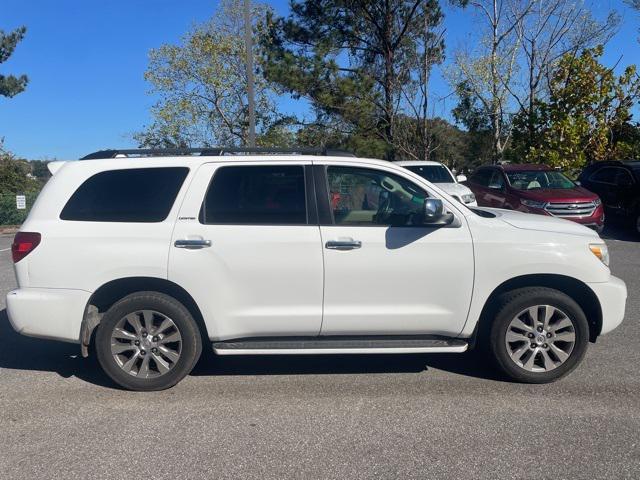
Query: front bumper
(53,313)
(613,298)
(595,221)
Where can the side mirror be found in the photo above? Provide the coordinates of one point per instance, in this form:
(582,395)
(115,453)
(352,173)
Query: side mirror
(461,178)
(434,213)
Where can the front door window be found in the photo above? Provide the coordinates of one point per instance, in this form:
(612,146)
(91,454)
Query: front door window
(361,196)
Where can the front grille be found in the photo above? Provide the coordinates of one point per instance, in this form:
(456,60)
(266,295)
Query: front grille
(570,209)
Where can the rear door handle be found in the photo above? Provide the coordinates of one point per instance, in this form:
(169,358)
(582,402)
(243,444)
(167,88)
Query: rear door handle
(192,244)
(343,244)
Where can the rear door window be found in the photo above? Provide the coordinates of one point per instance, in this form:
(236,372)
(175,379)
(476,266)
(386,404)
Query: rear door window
(604,175)
(623,178)
(481,177)
(139,195)
(256,195)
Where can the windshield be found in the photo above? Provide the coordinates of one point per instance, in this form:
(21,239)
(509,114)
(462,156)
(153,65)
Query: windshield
(533,180)
(433,173)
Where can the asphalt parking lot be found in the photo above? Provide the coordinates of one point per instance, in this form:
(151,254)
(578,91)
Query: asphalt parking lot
(422,416)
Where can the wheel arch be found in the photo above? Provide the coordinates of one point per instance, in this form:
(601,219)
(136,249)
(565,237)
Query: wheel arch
(112,291)
(574,288)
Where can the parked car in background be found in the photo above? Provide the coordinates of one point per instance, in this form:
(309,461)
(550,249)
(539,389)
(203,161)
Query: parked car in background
(618,185)
(536,189)
(440,174)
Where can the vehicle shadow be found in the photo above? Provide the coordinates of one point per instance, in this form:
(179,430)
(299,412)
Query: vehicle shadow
(23,353)
(469,364)
(616,231)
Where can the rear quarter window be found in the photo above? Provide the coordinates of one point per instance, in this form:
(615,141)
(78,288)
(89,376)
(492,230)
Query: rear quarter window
(139,195)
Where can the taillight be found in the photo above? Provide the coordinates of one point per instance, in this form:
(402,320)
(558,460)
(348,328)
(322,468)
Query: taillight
(23,244)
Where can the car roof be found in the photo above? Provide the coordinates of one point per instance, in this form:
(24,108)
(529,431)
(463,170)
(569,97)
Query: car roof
(194,161)
(521,167)
(416,163)
(633,165)
(607,163)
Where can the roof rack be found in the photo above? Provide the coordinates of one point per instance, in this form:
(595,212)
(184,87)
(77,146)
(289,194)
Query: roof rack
(211,151)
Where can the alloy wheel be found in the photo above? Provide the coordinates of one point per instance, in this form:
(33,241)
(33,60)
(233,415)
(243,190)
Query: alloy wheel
(146,344)
(540,338)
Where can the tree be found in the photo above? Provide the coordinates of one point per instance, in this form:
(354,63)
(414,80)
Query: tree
(335,134)
(40,171)
(485,72)
(635,4)
(11,85)
(354,60)
(424,143)
(550,30)
(471,114)
(14,175)
(626,138)
(509,69)
(202,86)
(588,115)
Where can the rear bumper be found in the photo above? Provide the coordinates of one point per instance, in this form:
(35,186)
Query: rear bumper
(52,313)
(613,298)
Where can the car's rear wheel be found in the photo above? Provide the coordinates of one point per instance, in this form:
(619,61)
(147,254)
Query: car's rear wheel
(538,335)
(148,341)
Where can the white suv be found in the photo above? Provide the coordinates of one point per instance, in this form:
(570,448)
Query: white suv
(146,259)
(439,173)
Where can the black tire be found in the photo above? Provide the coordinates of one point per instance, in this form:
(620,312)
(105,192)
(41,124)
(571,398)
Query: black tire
(509,306)
(191,346)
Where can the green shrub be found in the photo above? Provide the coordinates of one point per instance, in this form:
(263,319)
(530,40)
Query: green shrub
(9,214)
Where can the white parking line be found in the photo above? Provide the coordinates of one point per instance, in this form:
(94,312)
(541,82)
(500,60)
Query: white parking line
(5,249)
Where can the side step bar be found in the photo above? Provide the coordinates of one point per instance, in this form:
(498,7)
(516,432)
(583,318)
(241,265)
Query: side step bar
(339,345)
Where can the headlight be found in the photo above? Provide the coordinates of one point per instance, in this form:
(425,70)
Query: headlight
(468,198)
(601,251)
(533,203)
(597,202)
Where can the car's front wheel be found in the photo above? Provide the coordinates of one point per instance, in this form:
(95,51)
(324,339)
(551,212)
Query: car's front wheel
(538,335)
(148,341)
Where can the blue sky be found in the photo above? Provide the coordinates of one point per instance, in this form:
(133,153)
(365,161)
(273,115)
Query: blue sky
(86,59)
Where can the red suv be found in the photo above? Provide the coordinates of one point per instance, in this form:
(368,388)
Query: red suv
(536,189)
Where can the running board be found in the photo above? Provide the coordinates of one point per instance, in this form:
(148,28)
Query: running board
(339,345)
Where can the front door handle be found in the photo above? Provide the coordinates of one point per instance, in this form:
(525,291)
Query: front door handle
(343,244)
(192,244)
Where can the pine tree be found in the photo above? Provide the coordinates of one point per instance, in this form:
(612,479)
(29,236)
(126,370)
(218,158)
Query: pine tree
(11,85)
